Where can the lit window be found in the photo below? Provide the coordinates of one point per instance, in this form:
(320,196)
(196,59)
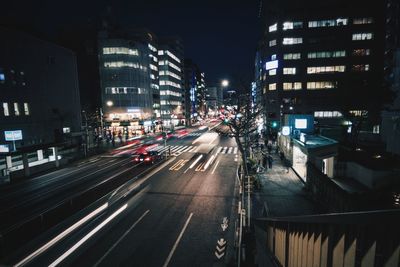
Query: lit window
(272,72)
(2,76)
(16,109)
(273,57)
(326,69)
(321,85)
(327,23)
(327,114)
(26,109)
(292,56)
(361,52)
(327,54)
(273,27)
(173,56)
(152,48)
(6,110)
(289,71)
(120,50)
(292,86)
(363,20)
(362,36)
(272,43)
(153,67)
(160,52)
(291,41)
(288,25)
(272,86)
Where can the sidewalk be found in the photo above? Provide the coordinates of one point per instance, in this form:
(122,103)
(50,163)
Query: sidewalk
(281,194)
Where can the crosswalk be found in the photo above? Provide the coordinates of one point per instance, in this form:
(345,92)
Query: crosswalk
(175,150)
(227,150)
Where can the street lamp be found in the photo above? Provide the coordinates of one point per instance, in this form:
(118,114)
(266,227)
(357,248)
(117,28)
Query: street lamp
(109,103)
(225,83)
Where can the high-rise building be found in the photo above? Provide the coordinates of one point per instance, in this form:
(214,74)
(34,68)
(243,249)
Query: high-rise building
(171,75)
(322,58)
(39,93)
(195,93)
(128,65)
(391,115)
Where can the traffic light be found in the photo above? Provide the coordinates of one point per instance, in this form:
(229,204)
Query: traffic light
(274,124)
(226,121)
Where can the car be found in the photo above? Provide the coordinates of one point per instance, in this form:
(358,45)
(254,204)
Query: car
(149,157)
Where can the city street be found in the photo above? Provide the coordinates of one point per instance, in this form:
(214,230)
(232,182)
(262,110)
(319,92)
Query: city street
(175,216)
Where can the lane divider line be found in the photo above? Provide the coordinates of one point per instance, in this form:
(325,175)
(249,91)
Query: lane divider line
(121,238)
(177,241)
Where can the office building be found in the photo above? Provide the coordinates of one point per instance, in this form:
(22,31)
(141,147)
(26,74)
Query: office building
(322,58)
(171,76)
(128,65)
(195,91)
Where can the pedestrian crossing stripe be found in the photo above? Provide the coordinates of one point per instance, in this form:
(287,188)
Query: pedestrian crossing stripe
(194,134)
(227,150)
(175,150)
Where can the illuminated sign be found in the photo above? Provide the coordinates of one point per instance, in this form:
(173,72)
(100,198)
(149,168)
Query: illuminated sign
(66,130)
(300,123)
(133,110)
(271,65)
(285,130)
(13,135)
(4,148)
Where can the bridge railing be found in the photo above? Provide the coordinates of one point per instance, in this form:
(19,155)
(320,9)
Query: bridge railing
(341,239)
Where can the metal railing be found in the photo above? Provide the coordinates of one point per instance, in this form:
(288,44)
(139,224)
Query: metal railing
(341,239)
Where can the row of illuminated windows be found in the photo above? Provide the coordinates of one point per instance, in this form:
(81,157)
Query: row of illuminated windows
(173,56)
(362,36)
(154,86)
(326,69)
(169,92)
(170,64)
(122,64)
(298,85)
(299,40)
(153,57)
(153,67)
(170,73)
(323,69)
(170,102)
(152,48)
(125,90)
(162,52)
(177,85)
(289,25)
(120,50)
(327,23)
(328,54)
(152,76)
(17,109)
(327,114)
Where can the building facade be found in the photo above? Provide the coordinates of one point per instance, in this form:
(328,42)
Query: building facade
(195,91)
(39,92)
(128,66)
(322,58)
(171,76)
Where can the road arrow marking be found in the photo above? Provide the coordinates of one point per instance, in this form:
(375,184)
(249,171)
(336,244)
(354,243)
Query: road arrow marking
(221,242)
(224,226)
(220,249)
(225,220)
(219,256)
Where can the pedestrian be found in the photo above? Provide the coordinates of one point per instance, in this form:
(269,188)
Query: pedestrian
(287,165)
(269,147)
(265,162)
(270,161)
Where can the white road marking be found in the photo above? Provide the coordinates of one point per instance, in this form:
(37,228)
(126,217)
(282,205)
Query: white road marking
(215,167)
(177,241)
(223,151)
(230,150)
(235,150)
(121,238)
(193,149)
(88,236)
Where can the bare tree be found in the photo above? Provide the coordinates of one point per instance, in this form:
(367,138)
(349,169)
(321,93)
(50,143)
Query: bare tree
(241,120)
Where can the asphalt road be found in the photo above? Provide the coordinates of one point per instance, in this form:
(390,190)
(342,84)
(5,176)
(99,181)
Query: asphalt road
(181,214)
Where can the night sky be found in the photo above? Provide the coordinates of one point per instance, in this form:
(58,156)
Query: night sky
(220,35)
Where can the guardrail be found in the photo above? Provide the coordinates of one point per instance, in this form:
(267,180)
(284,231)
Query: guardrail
(341,239)
(23,231)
